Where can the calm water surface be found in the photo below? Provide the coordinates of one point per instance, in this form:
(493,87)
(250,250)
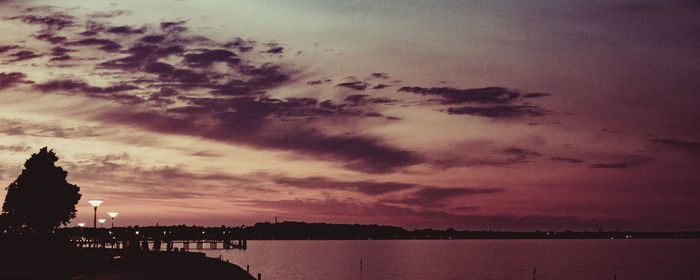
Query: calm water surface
(469,259)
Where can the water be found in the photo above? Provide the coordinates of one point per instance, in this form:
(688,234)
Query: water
(469,259)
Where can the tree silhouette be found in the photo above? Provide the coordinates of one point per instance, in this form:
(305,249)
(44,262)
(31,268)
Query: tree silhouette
(40,199)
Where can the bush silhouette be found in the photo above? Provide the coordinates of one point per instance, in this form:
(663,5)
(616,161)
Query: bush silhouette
(41,199)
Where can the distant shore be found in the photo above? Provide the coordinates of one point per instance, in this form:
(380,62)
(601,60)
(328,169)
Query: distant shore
(324,231)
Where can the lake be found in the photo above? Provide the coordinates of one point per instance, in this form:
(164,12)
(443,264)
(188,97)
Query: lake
(469,259)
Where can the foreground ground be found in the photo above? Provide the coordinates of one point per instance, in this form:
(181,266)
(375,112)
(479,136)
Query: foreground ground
(166,265)
(106,264)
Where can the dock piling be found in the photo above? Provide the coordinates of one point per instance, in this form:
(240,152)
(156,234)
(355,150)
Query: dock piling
(258,276)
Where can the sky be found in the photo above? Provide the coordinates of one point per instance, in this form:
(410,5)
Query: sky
(501,115)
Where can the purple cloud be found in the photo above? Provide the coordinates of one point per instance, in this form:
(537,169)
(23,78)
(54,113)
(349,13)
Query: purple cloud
(105,45)
(9,79)
(501,111)
(459,96)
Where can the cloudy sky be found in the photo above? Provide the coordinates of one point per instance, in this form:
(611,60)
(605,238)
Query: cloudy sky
(505,115)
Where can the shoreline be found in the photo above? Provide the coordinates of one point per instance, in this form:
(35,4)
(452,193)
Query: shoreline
(165,265)
(118,264)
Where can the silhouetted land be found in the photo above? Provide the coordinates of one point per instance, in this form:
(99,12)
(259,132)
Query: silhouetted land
(324,231)
(56,257)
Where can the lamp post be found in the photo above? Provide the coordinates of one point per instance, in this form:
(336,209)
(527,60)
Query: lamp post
(81,224)
(102,222)
(113,215)
(95,203)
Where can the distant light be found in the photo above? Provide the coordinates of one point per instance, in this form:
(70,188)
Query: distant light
(95,202)
(137,232)
(112,214)
(81,224)
(102,221)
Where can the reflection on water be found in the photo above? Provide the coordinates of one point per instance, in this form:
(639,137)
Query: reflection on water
(469,259)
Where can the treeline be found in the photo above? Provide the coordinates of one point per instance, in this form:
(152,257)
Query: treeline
(324,231)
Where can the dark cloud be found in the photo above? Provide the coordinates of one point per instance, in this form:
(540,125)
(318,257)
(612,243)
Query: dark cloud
(141,56)
(153,38)
(536,95)
(624,162)
(79,87)
(207,57)
(567,159)
(170,76)
(185,77)
(105,45)
(318,82)
(9,79)
(4,49)
(274,48)
(431,197)
(23,55)
(685,145)
(240,45)
(356,85)
(459,96)
(242,121)
(61,58)
(521,155)
(92,28)
(357,152)
(60,54)
(58,51)
(356,98)
(125,29)
(381,100)
(366,187)
(55,21)
(380,75)
(51,38)
(264,76)
(501,111)
(380,86)
(173,25)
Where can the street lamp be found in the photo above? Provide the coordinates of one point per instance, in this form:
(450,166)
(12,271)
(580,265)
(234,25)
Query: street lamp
(95,203)
(113,215)
(102,222)
(81,224)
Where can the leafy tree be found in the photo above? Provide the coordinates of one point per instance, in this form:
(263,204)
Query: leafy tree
(41,199)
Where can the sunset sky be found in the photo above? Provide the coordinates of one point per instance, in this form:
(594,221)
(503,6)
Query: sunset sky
(503,115)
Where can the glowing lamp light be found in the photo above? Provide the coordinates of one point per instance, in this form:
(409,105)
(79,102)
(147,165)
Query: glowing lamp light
(113,215)
(102,222)
(81,224)
(95,202)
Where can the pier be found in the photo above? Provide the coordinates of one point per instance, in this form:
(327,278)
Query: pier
(159,245)
(159,238)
